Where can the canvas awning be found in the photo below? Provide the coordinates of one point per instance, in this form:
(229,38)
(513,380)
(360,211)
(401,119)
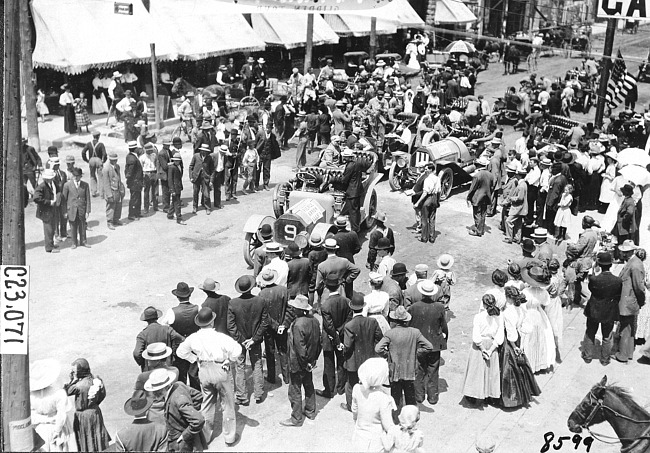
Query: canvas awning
(347,25)
(453,12)
(403,13)
(73,36)
(200,28)
(290,30)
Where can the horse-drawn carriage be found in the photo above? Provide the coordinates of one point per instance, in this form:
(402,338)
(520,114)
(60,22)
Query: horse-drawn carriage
(310,202)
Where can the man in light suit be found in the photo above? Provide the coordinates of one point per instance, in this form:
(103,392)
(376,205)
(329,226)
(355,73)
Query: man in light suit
(480,195)
(518,209)
(112,190)
(344,270)
(76,194)
(47,198)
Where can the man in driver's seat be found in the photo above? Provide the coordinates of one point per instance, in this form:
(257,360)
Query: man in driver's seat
(331,155)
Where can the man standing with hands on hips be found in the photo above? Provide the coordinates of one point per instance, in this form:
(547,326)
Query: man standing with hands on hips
(429,202)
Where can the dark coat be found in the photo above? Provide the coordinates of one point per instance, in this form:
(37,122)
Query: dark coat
(182,413)
(142,435)
(42,197)
(428,317)
(626,218)
(60,179)
(315,257)
(164,156)
(401,346)
(336,313)
(247,318)
(394,291)
(218,303)
(155,333)
(352,179)
(201,168)
(633,290)
(480,191)
(605,295)
(276,298)
(360,335)
(303,343)
(348,243)
(299,277)
(133,172)
(344,270)
(77,200)
(175,179)
(555,189)
(377,234)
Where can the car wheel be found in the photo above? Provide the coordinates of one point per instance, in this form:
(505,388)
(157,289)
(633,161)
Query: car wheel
(393,177)
(372,210)
(278,209)
(446,176)
(251,242)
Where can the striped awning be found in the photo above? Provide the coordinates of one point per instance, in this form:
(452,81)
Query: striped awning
(453,12)
(290,30)
(347,25)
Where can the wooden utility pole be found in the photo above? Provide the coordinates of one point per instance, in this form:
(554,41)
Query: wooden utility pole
(606,68)
(154,83)
(17,431)
(309,43)
(373,37)
(27,71)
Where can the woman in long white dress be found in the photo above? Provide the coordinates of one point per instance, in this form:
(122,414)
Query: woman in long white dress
(606,195)
(377,303)
(99,104)
(609,220)
(554,308)
(537,340)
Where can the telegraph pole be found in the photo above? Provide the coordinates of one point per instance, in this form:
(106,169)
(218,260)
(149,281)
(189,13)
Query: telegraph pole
(606,68)
(309,43)
(154,84)
(373,37)
(17,431)
(27,71)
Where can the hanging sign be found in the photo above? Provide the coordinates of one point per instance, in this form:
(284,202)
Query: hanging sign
(623,9)
(124,8)
(317,6)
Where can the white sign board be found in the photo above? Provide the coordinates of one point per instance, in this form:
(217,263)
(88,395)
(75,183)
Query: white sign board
(623,9)
(14,304)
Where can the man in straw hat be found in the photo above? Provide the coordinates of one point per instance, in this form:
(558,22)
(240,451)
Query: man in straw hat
(344,270)
(182,403)
(317,254)
(304,342)
(601,309)
(480,195)
(201,169)
(216,302)
(154,333)
(379,231)
(428,316)
(94,152)
(214,352)
(247,322)
(401,345)
(360,335)
(274,251)
(518,201)
(275,340)
(47,198)
(181,319)
(411,293)
(112,190)
(142,434)
(336,313)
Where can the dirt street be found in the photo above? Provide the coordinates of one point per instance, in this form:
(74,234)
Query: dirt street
(87,303)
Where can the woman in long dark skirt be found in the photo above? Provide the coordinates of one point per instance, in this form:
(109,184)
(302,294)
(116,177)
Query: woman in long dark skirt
(89,392)
(66,100)
(518,384)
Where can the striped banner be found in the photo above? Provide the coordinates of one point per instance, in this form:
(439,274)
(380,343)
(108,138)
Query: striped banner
(620,82)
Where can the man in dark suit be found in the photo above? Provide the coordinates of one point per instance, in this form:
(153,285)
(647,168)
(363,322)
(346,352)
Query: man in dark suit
(201,169)
(47,198)
(351,182)
(275,339)
(601,309)
(134,181)
(335,312)
(345,271)
(154,333)
(360,336)
(231,165)
(175,181)
(76,194)
(480,195)
(60,178)
(428,315)
(555,188)
(142,434)
(164,157)
(348,241)
(395,284)
(247,322)
(216,302)
(299,271)
(181,319)
(246,72)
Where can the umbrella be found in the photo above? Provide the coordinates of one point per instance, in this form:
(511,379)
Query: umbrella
(638,175)
(460,47)
(633,156)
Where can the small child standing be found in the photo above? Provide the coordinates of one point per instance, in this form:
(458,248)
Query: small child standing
(405,437)
(445,278)
(249,166)
(563,214)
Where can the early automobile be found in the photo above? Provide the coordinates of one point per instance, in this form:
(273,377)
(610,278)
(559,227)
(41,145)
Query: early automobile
(310,202)
(454,164)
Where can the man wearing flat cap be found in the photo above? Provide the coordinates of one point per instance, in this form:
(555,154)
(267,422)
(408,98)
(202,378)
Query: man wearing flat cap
(154,333)
(76,194)
(142,434)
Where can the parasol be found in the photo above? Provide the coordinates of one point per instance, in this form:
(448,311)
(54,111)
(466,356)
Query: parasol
(633,156)
(638,175)
(460,47)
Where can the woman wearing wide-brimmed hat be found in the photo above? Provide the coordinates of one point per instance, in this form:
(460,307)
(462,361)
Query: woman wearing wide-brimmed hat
(88,392)
(50,406)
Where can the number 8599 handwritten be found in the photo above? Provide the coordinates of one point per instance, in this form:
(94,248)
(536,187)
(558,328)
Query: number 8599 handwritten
(576,439)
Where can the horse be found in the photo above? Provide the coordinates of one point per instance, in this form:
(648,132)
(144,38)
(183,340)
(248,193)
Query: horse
(615,405)
(181,87)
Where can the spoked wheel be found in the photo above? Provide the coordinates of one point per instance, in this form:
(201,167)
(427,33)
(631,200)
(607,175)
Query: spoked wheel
(393,177)
(446,176)
(372,210)
(278,209)
(251,242)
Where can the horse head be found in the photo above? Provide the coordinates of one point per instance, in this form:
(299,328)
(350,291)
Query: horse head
(589,411)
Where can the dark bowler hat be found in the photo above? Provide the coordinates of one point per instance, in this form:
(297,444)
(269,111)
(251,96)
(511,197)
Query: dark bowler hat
(604,259)
(244,284)
(356,302)
(332,280)
(183,290)
(557,156)
(138,404)
(568,158)
(266,231)
(177,141)
(399,269)
(383,244)
(527,245)
(204,317)
(293,250)
(76,171)
(150,313)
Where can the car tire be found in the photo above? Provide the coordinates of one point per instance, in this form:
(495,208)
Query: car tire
(393,179)
(446,176)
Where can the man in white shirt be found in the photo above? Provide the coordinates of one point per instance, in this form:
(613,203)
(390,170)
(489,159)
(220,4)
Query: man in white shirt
(186,111)
(128,103)
(215,352)
(544,182)
(429,202)
(148,160)
(532,179)
(273,252)
(387,261)
(521,145)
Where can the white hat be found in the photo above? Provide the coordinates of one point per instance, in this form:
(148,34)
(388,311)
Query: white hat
(375,277)
(48,173)
(132,144)
(445,261)
(117,74)
(159,379)
(300,302)
(427,287)
(43,373)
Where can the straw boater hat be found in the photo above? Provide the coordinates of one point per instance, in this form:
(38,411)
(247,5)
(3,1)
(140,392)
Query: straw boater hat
(331,244)
(183,290)
(445,261)
(535,276)
(375,277)
(48,173)
(43,373)
(300,302)
(341,222)
(138,404)
(273,247)
(315,239)
(159,379)
(539,233)
(427,288)
(156,351)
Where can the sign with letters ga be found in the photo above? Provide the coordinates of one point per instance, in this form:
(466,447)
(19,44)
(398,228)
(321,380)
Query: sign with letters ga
(623,9)
(14,314)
